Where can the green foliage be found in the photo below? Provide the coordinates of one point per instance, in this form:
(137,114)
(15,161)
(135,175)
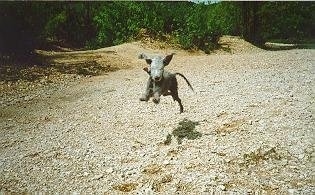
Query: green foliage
(116,22)
(206,23)
(25,25)
(54,24)
(191,25)
(18,34)
(287,20)
(187,130)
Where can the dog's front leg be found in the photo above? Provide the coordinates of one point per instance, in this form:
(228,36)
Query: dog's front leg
(148,91)
(157,92)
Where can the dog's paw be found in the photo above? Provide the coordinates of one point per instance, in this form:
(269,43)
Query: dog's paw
(156,101)
(144,99)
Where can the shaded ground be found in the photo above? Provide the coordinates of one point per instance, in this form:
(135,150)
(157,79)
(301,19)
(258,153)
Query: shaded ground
(255,132)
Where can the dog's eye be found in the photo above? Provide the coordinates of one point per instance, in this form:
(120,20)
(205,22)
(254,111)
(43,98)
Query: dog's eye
(149,61)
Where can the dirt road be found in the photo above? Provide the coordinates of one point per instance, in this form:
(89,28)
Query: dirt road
(256,118)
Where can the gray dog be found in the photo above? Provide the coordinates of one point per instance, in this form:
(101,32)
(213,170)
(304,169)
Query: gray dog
(161,82)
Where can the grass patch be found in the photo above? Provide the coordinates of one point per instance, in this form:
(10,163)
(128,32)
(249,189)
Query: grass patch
(230,126)
(158,184)
(152,169)
(168,139)
(126,187)
(44,64)
(186,129)
(260,155)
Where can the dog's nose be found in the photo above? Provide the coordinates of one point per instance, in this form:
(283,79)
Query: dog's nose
(157,78)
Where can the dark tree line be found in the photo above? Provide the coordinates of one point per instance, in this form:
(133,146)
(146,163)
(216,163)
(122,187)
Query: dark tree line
(289,21)
(28,25)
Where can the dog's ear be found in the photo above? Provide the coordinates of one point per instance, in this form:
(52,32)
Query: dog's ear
(149,61)
(168,59)
(143,56)
(146,69)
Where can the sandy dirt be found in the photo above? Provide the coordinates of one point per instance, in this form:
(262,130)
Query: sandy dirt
(81,128)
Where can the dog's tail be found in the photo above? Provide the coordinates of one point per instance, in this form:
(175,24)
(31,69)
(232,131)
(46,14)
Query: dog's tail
(185,80)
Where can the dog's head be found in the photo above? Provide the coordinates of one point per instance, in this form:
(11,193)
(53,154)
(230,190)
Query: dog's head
(156,65)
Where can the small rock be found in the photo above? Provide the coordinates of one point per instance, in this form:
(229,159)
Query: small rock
(109,170)
(221,187)
(130,172)
(27,98)
(97,177)
(301,156)
(166,162)
(291,191)
(147,190)
(212,176)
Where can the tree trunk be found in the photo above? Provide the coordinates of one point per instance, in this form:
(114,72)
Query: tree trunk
(251,21)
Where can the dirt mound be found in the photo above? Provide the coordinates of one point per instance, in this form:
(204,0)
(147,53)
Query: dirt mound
(236,45)
(59,66)
(100,61)
(117,57)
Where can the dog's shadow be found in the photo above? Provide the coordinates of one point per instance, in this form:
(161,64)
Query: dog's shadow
(186,129)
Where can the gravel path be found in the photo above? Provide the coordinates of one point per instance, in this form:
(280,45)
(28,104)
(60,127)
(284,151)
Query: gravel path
(255,114)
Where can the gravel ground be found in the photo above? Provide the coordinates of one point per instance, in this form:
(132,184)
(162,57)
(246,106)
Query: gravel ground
(256,118)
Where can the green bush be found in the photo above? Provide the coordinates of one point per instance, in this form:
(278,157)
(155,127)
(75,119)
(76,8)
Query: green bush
(23,25)
(287,20)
